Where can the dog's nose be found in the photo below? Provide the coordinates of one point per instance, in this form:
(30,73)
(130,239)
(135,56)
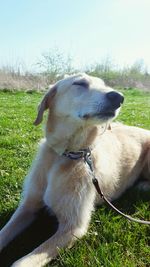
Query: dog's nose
(115,98)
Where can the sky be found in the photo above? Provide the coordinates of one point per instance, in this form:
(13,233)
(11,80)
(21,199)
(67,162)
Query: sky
(87,30)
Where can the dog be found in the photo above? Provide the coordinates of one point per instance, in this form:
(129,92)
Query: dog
(80,111)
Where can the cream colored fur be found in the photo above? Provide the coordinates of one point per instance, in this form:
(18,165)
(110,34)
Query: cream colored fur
(76,119)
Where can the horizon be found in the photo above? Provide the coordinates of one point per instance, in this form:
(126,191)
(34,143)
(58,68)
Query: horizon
(87,31)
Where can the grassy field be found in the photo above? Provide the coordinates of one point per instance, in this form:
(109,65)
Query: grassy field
(111,240)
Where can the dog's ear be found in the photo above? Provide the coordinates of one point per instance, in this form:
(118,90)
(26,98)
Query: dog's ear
(45,104)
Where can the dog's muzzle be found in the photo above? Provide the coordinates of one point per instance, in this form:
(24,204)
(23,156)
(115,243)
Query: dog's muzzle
(113,101)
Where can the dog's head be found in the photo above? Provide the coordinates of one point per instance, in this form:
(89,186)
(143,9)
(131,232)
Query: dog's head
(83,99)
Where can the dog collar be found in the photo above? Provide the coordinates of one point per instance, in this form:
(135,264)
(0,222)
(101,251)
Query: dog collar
(83,153)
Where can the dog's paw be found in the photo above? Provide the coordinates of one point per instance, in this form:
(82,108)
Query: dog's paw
(23,262)
(19,264)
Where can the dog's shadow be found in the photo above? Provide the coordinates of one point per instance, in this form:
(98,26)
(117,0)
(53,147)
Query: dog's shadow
(45,226)
(40,230)
(132,199)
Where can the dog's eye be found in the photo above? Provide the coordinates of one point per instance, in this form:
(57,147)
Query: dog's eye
(82,83)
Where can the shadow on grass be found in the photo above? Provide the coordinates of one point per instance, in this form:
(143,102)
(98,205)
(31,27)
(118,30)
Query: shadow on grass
(40,230)
(131,199)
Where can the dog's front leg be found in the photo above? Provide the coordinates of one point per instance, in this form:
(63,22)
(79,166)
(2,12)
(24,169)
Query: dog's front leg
(34,187)
(73,212)
(43,254)
(22,217)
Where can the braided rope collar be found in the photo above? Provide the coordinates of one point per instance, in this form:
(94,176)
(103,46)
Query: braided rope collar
(86,155)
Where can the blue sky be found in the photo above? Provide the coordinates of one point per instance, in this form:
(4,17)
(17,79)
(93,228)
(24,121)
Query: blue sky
(88,30)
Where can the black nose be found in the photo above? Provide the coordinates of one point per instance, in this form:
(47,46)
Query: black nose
(115,98)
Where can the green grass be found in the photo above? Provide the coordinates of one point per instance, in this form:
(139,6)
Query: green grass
(111,240)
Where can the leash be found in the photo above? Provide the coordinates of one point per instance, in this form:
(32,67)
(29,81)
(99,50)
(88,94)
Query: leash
(86,155)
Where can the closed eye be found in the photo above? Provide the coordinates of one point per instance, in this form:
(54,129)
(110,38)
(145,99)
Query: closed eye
(83,83)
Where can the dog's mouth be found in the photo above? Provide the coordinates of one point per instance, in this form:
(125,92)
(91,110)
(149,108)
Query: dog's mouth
(101,115)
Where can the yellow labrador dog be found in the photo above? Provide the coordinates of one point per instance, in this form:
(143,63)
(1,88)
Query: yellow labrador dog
(79,107)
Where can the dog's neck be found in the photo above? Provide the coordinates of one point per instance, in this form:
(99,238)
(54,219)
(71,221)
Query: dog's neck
(62,136)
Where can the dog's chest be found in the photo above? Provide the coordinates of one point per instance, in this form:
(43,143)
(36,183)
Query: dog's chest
(66,179)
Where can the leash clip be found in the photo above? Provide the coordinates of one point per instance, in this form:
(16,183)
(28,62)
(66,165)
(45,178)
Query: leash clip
(88,160)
